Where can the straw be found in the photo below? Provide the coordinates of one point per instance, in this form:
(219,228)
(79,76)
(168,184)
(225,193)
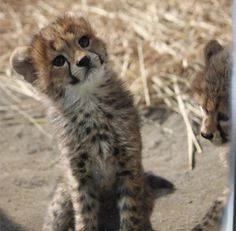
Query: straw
(151,43)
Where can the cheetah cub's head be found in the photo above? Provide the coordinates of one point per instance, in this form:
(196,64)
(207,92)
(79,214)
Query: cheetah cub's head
(65,57)
(211,91)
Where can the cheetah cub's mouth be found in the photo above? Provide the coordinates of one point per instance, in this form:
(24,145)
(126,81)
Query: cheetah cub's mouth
(87,67)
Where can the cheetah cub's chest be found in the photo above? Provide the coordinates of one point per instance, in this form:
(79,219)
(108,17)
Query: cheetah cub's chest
(92,130)
(104,173)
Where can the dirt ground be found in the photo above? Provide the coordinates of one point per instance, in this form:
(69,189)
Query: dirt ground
(167,37)
(29,167)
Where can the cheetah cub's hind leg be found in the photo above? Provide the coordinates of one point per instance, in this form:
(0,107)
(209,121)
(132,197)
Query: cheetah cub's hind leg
(60,215)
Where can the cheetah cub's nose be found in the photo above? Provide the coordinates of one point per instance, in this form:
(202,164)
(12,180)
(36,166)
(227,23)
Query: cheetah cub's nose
(208,136)
(84,62)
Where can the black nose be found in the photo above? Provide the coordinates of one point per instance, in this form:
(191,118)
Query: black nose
(208,136)
(84,62)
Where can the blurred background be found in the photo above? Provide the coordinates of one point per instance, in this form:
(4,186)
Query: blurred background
(156,47)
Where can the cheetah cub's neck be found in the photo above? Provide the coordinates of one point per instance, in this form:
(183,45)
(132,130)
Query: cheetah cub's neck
(86,91)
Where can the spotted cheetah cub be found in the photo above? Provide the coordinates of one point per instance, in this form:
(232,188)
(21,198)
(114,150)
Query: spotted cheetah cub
(97,127)
(211,91)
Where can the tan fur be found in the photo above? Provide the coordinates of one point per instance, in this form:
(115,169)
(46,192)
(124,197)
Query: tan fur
(211,90)
(97,127)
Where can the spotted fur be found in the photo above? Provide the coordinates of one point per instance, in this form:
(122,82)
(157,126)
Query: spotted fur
(97,128)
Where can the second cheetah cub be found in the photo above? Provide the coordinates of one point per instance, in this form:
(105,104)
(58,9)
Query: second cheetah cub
(211,90)
(97,127)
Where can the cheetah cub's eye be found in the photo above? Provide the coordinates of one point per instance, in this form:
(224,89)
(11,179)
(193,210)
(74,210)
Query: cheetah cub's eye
(84,41)
(59,61)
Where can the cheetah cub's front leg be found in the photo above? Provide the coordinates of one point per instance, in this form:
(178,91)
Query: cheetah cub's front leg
(130,201)
(60,215)
(85,202)
(135,199)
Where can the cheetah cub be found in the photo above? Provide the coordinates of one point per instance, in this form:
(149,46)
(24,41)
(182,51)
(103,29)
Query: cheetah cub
(211,91)
(97,127)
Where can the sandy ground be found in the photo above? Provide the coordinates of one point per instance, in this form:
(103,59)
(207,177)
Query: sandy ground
(28,173)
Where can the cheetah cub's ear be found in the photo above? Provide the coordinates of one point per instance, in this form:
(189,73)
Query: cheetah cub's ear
(212,48)
(20,62)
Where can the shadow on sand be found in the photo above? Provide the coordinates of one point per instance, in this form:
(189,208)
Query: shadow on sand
(159,186)
(6,223)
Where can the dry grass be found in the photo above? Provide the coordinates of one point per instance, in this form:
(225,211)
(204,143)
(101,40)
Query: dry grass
(155,45)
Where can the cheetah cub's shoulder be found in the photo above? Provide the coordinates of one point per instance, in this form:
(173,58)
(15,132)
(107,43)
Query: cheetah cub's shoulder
(97,127)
